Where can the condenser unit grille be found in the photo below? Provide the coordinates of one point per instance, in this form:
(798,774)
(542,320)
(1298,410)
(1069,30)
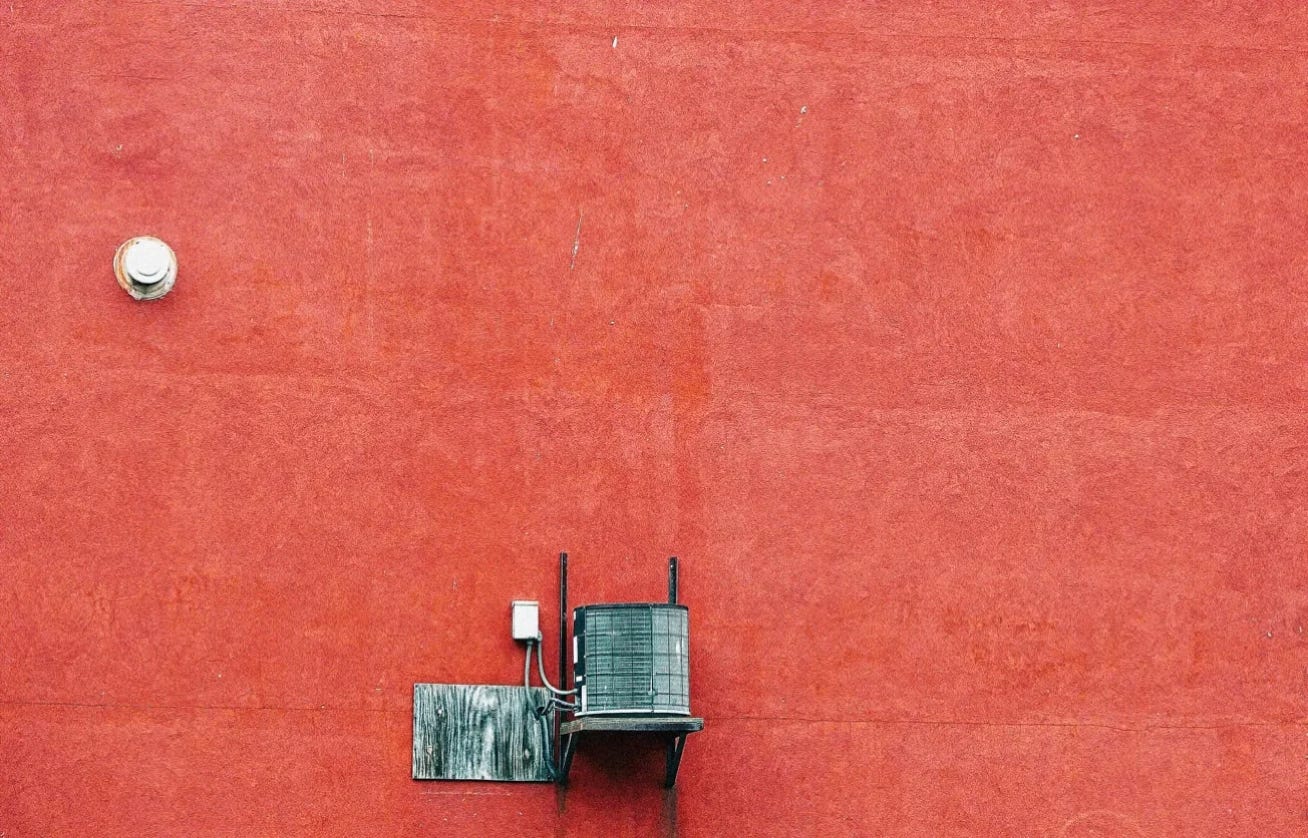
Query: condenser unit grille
(633,658)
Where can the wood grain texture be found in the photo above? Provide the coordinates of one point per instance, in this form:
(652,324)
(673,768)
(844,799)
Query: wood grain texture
(464,732)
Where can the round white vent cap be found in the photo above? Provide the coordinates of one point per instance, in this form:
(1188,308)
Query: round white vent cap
(146,267)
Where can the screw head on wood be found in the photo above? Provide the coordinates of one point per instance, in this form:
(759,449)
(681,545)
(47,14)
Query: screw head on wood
(146,267)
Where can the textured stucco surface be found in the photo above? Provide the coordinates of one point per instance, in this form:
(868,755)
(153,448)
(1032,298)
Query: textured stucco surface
(957,347)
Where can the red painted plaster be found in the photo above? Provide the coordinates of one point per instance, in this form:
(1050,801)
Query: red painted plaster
(958,348)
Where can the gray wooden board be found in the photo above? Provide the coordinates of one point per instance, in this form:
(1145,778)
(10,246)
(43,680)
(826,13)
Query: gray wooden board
(469,732)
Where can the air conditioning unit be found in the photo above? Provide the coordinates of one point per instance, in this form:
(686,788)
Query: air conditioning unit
(632,658)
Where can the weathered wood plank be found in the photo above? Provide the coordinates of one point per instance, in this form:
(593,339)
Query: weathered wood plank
(634,724)
(468,732)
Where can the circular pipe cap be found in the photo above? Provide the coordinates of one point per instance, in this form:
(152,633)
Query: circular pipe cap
(145,267)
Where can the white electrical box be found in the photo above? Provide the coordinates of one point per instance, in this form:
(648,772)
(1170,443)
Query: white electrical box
(526,620)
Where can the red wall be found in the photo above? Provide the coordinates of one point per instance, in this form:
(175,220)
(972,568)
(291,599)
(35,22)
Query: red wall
(957,347)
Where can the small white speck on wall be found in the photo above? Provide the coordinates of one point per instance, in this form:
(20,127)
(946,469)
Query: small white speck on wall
(576,241)
(615,41)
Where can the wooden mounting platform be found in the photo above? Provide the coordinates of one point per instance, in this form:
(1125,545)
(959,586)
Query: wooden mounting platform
(674,728)
(633,724)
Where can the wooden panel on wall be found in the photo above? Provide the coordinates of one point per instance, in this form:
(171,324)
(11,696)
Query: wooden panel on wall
(468,732)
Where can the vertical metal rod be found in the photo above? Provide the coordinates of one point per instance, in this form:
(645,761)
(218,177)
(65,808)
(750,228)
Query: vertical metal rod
(672,580)
(563,621)
(560,745)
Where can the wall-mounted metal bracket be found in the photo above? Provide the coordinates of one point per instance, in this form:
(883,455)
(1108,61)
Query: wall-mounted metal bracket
(674,729)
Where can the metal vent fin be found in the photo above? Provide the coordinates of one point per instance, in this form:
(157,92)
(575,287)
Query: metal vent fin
(635,659)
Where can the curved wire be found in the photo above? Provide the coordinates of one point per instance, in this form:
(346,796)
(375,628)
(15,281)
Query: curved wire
(543,712)
(540,665)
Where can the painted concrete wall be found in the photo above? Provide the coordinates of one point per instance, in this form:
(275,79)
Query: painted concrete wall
(957,347)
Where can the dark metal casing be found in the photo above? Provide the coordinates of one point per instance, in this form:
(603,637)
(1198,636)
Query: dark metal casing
(632,658)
